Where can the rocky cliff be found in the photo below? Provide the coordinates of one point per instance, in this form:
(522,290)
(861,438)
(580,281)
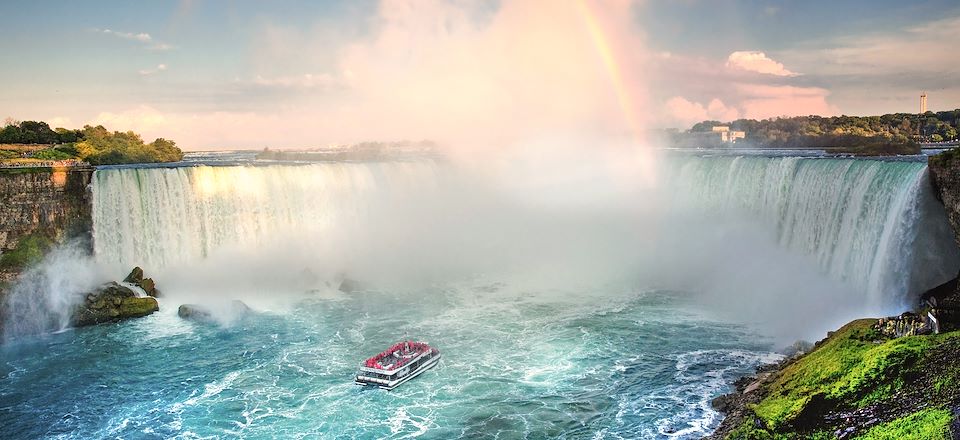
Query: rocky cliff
(39,207)
(945,177)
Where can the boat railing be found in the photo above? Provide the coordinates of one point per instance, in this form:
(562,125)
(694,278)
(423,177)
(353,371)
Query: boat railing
(395,370)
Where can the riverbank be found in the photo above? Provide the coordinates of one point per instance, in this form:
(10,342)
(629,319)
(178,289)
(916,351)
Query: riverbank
(855,384)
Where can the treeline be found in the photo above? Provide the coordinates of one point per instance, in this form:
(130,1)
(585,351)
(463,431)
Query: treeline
(102,147)
(36,132)
(96,145)
(894,130)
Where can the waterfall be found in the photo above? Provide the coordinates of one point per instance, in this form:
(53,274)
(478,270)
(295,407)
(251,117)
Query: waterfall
(871,224)
(160,216)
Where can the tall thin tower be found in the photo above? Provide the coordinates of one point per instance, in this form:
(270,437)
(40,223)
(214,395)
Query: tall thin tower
(923,103)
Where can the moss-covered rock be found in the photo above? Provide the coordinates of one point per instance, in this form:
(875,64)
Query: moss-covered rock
(29,250)
(853,382)
(112,302)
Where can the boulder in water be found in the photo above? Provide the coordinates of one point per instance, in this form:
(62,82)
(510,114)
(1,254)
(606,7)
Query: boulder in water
(135,277)
(149,287)
(112,302)
(194,312)
(348,285)
(201,313)
(147,284)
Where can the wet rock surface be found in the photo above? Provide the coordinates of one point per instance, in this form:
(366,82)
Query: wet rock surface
(206,313)
(112,302)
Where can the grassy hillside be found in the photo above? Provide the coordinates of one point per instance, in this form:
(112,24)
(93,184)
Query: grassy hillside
(858,384)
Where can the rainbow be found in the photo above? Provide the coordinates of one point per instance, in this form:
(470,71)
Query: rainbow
(624,97)
(614,70)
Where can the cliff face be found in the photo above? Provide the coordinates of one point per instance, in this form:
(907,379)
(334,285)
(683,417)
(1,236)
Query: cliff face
(945,177)
(40,206)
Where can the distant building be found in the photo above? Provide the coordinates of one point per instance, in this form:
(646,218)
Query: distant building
(728,136)
(923,103)
(719,136)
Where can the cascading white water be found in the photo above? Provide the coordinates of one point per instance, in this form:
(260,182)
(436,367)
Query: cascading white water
(161,216)
(873,224)
(870,224)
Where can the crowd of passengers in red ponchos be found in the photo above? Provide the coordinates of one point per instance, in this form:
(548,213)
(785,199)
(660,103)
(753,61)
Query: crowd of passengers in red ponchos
(406,347)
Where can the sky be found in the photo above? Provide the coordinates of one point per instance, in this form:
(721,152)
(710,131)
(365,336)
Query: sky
(286,74)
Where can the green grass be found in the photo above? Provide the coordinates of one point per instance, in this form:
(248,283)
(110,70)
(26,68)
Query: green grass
(929,424)
(848,367)
(52,154)
(747,431)
(854,368)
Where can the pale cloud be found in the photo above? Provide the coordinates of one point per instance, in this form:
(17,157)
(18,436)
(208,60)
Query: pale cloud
(688,112)
(767,101)
(141,37)
(752,101)
(159,68)
(61,121)
(143,119)
(755,61)
(432,70)
(885,71)
(914,49)
(305,81)
(701,89)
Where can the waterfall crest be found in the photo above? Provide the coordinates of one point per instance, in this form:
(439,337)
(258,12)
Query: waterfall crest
(871,224)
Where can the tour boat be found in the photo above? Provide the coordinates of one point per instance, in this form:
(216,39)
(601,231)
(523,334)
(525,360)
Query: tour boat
(399,363)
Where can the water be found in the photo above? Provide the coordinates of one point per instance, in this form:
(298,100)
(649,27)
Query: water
(599,308)
(637,365)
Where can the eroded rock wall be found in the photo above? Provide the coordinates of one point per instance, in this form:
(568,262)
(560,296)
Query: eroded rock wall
(50,202)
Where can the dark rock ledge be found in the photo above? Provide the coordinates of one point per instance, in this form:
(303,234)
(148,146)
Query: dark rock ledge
(115,301)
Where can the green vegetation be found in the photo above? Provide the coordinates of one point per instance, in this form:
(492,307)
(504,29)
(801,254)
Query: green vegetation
(928,424)
(747,431)
(887,134)
(30,250)
(857,368)
(847,368)
(96,145)
(52,154)
(35,132)
(101,147)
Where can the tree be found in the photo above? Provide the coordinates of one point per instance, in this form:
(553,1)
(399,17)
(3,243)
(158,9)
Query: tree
(948,133)
(67,136)
(705,125)
(10,134)
(100,147)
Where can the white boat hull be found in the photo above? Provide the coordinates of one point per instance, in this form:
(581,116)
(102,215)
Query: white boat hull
(393,384)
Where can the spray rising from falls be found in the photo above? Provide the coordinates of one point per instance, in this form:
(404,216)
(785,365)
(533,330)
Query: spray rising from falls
(870,226)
